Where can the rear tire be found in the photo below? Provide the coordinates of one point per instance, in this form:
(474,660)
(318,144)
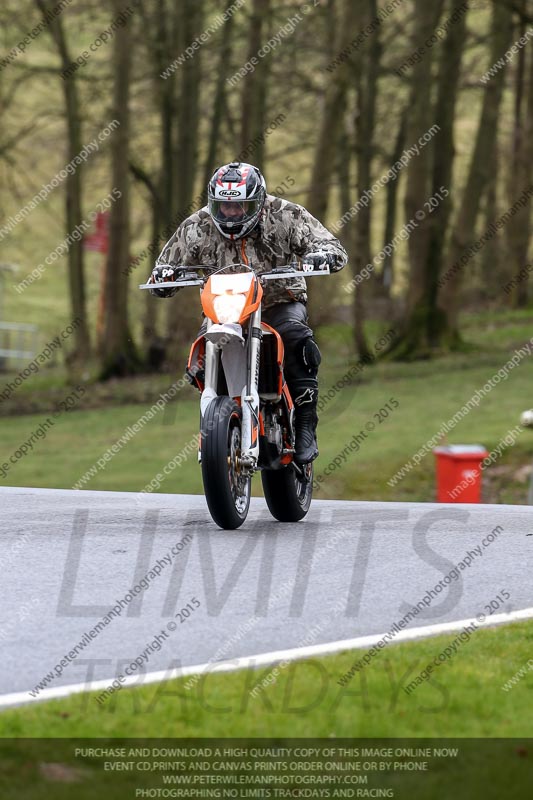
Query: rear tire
(227,491)
(287,496)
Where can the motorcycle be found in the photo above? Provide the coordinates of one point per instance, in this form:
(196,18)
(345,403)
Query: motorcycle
(246,410)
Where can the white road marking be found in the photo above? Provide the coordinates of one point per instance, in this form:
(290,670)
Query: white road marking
(263,659)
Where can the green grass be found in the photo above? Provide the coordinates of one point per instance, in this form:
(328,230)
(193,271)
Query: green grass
(463,698)
(428,394)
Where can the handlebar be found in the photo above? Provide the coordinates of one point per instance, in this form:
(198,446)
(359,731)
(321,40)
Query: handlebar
(287,271)
(282,272)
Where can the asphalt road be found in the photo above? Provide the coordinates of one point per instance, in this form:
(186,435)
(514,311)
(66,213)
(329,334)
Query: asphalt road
(350,569)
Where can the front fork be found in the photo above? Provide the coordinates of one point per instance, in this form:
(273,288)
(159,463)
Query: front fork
(249,396)
(212,362)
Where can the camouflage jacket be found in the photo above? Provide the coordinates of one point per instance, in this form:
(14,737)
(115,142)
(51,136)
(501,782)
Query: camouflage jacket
(286,230)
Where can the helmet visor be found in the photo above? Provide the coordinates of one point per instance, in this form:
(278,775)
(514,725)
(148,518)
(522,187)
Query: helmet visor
(237,211)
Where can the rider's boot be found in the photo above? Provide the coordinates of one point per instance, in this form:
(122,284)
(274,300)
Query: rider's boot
(306,419)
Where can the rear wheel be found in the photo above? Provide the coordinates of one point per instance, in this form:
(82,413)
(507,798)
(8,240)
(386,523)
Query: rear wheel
(288,491)
(226,486)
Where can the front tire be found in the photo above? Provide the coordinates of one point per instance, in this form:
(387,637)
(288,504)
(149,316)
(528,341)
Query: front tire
(227,489)
(288,491)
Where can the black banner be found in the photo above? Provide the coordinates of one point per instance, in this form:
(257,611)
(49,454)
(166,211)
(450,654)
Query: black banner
(113,769)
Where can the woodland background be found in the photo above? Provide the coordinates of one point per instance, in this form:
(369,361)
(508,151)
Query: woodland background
(324,114)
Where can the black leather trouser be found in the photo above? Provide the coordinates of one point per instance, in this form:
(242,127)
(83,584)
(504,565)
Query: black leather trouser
(302,356)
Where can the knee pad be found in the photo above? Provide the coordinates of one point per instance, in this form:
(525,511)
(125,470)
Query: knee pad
(311,356)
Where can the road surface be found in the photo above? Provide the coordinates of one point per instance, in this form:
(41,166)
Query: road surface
(350,570)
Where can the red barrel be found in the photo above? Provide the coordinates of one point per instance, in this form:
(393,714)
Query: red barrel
(459,472)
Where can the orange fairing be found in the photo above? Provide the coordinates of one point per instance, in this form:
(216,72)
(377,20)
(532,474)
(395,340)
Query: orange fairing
(279,341)
(288,397)
(208,298)
(197,359)
(253,295)
(253,300)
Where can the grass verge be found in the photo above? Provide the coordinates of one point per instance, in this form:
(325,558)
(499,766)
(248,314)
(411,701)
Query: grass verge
(462,698)
(427,394)
(463,705)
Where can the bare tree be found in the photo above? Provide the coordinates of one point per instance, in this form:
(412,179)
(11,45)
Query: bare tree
(419,178)
(117,350)
(387,274)
(366,79)
(73,199)
(255,84)
(478,173)
(220,98)
(182,316)
(187,134)
(425,323)
(333,108)
(521,172)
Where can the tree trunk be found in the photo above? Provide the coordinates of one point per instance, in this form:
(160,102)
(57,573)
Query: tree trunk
(254,92)
(367,90)
(182,315)
(117,351)
(494,270)
(164,50)
(152,343)
(424,310)
(519,226)
(387,274)
(186,146)
(73,200)
(333,110)
(219,103)
(478,174)
(413,342)
(348,234)
(154,349)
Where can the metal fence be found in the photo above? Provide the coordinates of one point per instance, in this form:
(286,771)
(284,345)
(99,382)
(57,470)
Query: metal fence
(18,342)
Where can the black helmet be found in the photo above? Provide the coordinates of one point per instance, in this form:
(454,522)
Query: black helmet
(236,196)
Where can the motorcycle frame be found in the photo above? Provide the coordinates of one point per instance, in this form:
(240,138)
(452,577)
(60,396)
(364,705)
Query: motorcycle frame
(216,355)
(226,357)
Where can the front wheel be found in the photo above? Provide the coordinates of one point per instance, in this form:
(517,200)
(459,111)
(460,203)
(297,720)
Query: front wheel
(288,491)
(226,486)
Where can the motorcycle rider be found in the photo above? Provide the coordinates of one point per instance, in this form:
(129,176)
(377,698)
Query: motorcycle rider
(244,224)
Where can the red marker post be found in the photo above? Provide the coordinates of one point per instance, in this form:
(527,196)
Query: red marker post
(98,242)
(459,472)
